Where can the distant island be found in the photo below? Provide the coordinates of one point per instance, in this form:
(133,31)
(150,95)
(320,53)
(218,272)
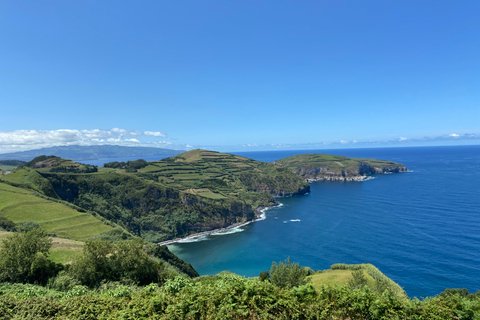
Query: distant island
(196,191)
(90,152)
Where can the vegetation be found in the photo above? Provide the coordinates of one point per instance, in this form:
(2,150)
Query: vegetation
(222,296)
(195,191)
(128,280)
(11,163)
(18,205)
(330,167)
(25,257)
(192,192)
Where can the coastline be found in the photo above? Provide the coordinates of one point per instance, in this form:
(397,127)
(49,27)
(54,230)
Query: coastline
(259,215)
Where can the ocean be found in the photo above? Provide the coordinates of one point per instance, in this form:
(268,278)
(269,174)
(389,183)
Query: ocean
(420,228)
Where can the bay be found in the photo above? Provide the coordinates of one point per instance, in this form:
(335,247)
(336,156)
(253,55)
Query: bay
(420,228)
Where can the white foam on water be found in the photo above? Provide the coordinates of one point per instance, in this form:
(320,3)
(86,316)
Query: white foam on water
(194,239)
(229,231)
(295,220)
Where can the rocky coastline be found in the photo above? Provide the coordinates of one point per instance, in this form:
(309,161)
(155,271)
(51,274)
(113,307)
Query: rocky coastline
(259,215)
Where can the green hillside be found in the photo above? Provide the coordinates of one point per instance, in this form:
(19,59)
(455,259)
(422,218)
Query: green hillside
(318,167)
(196,191)
(20,205)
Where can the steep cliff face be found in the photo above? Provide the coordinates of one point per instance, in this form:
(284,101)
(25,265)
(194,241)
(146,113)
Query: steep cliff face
(321,167)
(366,168)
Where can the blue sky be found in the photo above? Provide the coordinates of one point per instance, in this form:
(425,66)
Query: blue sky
(239,75)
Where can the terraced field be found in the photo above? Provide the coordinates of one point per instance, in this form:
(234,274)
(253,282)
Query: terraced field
(212,174)
(20,205)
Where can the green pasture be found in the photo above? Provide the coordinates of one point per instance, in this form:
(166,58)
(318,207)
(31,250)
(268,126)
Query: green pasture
(19,205)
(336,277)
(16,177)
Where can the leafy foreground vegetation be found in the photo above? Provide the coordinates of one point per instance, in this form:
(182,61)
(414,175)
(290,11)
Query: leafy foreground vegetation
(125,280)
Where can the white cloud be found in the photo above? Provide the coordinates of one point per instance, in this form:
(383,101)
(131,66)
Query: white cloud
(22,140)
(154,133)
(343,142)
(402,139)
(454,135)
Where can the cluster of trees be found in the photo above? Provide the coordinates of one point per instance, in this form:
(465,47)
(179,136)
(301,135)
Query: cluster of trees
(130,166)
(25,259)
(13,163)
(87,168)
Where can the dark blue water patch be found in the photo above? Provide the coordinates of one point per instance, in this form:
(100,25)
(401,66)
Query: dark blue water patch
(420,228)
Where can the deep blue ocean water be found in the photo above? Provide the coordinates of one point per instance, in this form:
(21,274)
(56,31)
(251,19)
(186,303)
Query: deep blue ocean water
(420,228)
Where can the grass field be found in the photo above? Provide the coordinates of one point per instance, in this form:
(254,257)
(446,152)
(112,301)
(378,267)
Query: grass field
(6,168)
(19,205)
(337,277)
(62,251)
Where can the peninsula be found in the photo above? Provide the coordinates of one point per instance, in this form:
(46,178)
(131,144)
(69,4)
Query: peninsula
(198,191)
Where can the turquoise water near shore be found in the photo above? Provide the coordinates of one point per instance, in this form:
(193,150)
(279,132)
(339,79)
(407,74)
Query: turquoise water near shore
(420,228)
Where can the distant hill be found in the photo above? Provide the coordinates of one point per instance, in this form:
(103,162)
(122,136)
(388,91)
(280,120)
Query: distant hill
(89,152)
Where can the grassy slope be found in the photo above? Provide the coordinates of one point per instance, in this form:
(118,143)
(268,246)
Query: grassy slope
(19,205)
(336,277)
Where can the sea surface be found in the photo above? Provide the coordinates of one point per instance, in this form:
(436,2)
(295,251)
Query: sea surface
(420,228)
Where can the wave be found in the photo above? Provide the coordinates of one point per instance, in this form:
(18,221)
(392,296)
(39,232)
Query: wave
(194,239)
(229,231)
(295,220)
(263,214)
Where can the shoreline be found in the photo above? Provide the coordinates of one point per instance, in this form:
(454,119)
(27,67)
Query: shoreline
(259,216)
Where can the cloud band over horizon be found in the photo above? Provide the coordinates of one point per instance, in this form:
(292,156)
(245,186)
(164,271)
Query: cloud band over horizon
(23,140)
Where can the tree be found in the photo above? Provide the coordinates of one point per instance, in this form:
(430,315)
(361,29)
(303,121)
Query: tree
(359,280)
(288,274)
(131,262)
(94,265)
(24,257)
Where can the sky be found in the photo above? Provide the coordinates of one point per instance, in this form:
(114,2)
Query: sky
(239,75)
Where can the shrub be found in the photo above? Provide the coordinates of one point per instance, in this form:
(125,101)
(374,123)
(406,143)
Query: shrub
(7,225)
(288,274)
(25,257)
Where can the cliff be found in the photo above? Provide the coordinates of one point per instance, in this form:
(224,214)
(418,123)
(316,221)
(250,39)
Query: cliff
(323,167)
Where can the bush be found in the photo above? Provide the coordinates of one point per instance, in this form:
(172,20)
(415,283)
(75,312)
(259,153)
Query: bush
(7,225)
(64,282)
(288,274)
(25,257)
(27,226)
(358,281)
